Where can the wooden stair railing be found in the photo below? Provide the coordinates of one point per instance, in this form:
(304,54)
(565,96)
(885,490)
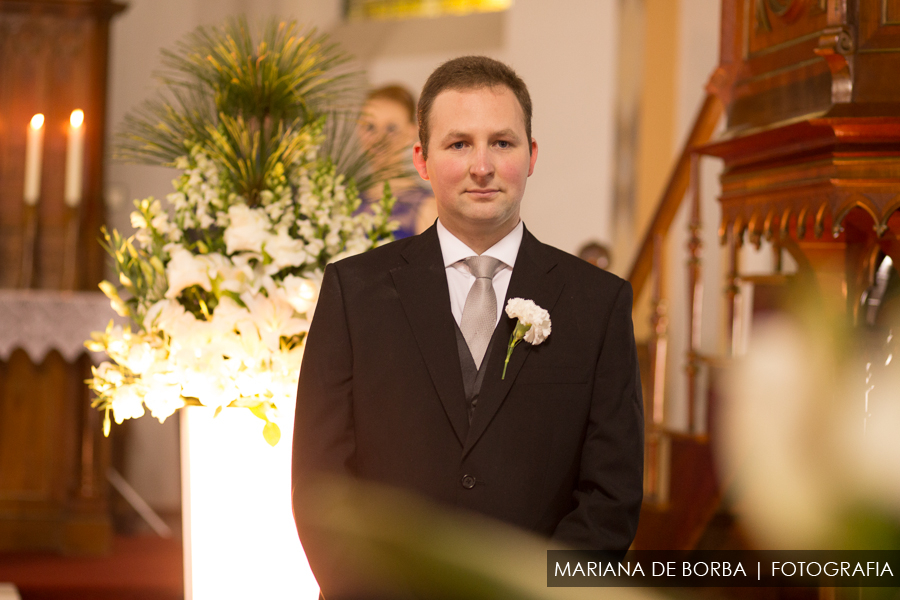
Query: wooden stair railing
(704,125)
(675,511)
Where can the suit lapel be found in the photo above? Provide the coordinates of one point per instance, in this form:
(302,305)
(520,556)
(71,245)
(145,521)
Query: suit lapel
(422,287)
(533,278)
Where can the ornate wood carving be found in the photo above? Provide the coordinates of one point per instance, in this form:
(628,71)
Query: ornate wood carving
(812,144)
(806,177)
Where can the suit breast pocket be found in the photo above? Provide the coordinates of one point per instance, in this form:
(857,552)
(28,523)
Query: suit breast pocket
(554,375)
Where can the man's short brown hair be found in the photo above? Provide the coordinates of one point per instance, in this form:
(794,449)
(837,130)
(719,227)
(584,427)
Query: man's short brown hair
(467,73)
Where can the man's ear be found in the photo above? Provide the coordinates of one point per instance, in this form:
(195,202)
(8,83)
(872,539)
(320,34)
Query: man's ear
(533,156)
(419,161)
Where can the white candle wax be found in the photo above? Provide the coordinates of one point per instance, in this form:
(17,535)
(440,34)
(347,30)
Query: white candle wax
(34,146)
(74,159)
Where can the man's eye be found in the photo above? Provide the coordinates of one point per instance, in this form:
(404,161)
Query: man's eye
(457,145)
(503,144)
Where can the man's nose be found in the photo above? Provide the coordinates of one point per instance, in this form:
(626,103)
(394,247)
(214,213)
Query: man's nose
(482,163)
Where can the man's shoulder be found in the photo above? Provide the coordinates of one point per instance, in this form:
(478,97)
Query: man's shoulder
(381,259)
(575,269)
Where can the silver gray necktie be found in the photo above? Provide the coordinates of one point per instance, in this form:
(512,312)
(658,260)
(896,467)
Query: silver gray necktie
(479,315)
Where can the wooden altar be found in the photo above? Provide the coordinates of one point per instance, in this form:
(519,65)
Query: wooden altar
(53,458)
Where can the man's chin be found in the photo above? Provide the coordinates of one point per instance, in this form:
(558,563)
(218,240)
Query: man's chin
(492,221)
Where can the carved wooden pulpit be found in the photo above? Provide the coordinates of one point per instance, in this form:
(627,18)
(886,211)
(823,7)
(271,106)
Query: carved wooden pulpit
(810,90)
(811,149)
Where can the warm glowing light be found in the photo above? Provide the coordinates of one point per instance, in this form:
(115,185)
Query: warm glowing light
(74,160)
(77,118)
(308,291)
(34,148)
(239,535)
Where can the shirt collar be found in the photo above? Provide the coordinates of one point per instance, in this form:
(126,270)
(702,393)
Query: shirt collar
(505,250)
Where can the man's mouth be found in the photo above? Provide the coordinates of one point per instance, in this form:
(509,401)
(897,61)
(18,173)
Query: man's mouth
(482,192)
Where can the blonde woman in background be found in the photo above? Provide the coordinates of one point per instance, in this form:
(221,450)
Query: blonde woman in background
(388,128)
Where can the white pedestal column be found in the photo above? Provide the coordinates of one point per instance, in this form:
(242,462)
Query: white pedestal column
(239,534)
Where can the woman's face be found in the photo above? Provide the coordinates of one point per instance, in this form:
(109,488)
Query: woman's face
(385,128)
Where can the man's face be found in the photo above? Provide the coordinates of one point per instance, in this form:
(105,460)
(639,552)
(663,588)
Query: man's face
(478,159)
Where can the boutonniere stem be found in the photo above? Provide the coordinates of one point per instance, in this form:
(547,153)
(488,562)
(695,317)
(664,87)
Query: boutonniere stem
(533,325)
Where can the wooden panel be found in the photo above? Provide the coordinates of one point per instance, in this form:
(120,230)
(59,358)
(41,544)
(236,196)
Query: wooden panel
(778,25)
(879,25)
(769,49)
(28,452)
(876,79)
(52,458)
(890,12)
(778,96)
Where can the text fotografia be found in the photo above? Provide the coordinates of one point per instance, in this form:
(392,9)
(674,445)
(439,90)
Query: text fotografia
(725,568)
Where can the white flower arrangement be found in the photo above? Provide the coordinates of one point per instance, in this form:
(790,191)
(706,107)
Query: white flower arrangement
(533,325)
(222,282)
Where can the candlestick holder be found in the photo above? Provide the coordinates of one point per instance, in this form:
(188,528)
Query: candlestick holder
(72,224)
(29,245)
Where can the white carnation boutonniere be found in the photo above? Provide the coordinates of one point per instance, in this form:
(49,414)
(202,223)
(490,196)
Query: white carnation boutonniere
(533,325)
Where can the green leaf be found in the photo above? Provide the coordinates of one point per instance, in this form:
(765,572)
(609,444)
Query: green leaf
(272,433)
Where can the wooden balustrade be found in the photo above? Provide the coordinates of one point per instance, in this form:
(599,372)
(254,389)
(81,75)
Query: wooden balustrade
(704,125)
(650,264)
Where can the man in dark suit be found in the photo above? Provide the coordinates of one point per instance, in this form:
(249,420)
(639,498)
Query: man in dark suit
(400,388)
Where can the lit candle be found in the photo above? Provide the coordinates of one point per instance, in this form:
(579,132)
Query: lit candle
(75,158)
(34,146)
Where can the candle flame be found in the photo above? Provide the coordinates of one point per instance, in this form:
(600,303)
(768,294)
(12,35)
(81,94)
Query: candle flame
(37,121)
(77,118)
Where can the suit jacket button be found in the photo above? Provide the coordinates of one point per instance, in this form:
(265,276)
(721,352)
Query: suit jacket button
(468,482)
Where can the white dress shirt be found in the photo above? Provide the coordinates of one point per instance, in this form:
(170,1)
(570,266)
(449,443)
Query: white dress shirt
(460,279)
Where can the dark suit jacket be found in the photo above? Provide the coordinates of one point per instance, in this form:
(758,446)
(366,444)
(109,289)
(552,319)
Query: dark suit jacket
(555,448)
